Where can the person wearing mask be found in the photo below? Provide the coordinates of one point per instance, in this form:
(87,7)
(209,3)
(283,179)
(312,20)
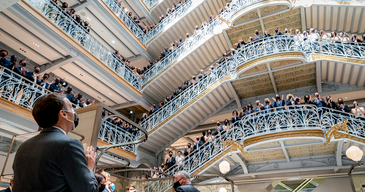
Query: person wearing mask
(101,181)
(307,100)
(34,76)
(249,109)
(268,104)
(341,106)
(330,103)
(298,101)
(4,62)
(198,143)
(258,107)
(218,129)
(170,161)
(202,138)
(277,32)
(313,36)
(132,189)
(209,138)
(257,36)
(235,116)
(179,159)
(55,87)
(227,125)
(290,99)
(279,102)
(182,182)
(188,150)
(358,111)
(318,101)
(69,94)
(58,162)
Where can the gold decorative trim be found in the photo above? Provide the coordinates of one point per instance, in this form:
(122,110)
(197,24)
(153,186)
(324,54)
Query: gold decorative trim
(118,150)
(281,56)
(229,143)
(190,103)
(225,21)
(75,44)
(278,135)
(102,3)
(172,64)
(16,109)
(336,58)
(345,133)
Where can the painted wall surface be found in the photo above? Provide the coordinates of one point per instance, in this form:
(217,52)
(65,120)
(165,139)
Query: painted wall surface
(334,185)
(257,187)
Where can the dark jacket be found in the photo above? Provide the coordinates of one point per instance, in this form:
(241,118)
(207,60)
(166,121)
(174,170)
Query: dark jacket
(52,161)
(6,190)
(187,188)
(170,163)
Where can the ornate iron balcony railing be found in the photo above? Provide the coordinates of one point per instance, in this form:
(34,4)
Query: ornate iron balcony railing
(249,52)
(215,26)
(73,29)
(113,135)
(295,117)
(15,88)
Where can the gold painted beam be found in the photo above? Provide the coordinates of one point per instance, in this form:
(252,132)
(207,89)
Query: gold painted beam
(76,45)
(118,151)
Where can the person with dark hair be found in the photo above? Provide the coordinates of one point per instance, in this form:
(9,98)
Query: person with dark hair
(55,87)
(170,161)
(52,161)
(318,100)
(235,116)
(4,62)
(342,106)
(330,103)
(101,181)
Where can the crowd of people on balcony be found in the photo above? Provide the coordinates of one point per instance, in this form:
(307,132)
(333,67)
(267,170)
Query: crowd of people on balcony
(72,14)
(119,123)
(311,35)
(291,100)
(34,78)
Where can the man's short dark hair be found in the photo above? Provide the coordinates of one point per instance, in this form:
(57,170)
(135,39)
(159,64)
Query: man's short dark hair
(99,178)
(7,52)
(46,109)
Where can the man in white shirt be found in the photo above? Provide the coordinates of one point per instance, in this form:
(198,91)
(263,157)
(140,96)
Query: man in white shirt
(313,36)
(179,159)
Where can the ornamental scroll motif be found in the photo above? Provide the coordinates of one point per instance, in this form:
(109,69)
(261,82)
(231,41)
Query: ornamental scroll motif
(228,143)
(334,130)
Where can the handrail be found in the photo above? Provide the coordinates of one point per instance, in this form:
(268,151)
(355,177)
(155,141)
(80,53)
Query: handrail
(19,90)
(271,121)
(62,19)
(249,52)
(150,3)
(196,40)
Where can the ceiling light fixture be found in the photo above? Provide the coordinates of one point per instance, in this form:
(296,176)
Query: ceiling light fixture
(113,41)
(224,167)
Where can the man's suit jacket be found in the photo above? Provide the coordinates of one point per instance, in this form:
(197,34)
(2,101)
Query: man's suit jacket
(52,161)
(6,190)
(187,188)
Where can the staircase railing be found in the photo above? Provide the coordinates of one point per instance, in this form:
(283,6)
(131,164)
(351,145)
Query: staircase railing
(249,52)
(294,117)
(17,89)
(72,28)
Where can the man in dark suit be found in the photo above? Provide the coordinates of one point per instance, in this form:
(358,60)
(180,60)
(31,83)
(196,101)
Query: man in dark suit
(170,161)
(52,161)
(9,189)
(183,183)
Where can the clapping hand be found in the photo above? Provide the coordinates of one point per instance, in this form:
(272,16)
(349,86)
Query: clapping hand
(90,157)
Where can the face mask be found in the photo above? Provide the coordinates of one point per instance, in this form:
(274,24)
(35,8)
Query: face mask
(177,184)
(341,35)
(209,133)
(36,71)
(317,96)
(103,113)
(197,139)
(290,97)
(306,98)
(267,102)
(277,97)
(257,104)
(257,33)
(297,100)
(170,155)
(297,32)
(102,187)
(24,64)
(76,120)
(276,31)
(57,82)
(328,99)
(187,36)
(218,124)
(312,31)
(286,31)
(189,146)
(69,89)
(340,102)
(2,54)
(112,186)
(14,60)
